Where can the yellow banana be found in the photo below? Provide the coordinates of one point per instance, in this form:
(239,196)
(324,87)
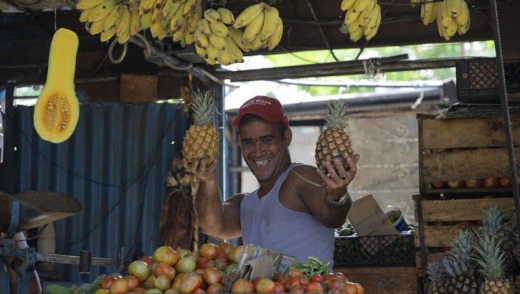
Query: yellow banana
(146,20)
(190,7)
(351,16)
(236,36)
(428,12)
(372,28)
(361,5)
(108,34)
(135,22)
(271,17)
(276,37)
(224,57)
(157,10)
(463,20)
(211,15)
(226,16)
(451,29)
(219,29)
(189,37)
(201,51)
(249,14)
(170,7)
(123,28)
(145,6)
(96,27)
(355,32)
(87,4)
(234,50)
(213,53)
(193,20)
(201,39)
(365,15)
(217,41)
(113,18)
(253,28)
(203,26)
(101,11)
(454,7)
(158,30)
(178,19)
(257,43)
(347,4)
(375,18)
(83,17)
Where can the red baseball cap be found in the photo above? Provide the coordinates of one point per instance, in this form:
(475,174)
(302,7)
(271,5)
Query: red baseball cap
(265,107)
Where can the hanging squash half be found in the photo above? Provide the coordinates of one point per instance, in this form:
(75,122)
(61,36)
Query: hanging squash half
(57,110)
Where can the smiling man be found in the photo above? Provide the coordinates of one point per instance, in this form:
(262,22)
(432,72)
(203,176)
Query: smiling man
(295,209)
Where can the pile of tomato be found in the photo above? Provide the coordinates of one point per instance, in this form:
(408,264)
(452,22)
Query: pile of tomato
(210,270)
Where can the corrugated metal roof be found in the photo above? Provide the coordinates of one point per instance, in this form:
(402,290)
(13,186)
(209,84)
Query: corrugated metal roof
(115,164)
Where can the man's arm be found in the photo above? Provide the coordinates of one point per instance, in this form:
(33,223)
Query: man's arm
(220,220)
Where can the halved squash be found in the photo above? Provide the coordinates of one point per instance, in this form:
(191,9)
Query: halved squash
(56,112)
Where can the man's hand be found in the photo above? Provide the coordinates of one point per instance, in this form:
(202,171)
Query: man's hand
(339,178)
(205,173)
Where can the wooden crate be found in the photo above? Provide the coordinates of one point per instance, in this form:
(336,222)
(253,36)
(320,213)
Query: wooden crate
(440,221)
(383,280)
(453,150)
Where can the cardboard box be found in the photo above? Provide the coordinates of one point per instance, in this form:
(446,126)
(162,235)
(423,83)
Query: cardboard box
(369,219)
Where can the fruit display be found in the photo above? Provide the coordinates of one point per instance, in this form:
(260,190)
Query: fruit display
(452,16)
(201,141)
(484,259)
(362,18)
(334,142)
(56,112)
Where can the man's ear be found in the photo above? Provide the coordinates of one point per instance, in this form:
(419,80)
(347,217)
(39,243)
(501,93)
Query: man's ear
(287,136)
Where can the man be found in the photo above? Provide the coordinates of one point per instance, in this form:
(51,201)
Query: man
(295,209)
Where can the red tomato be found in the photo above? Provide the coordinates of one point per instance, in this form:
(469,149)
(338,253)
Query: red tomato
(165,254)
(297,289)
(190,282)
(242,286)
(316,279)
(314,287)
(163,269)
(211,275)
(119,286)
(291,282)
(208,250)
(278,287)
(132,281)
(107,282)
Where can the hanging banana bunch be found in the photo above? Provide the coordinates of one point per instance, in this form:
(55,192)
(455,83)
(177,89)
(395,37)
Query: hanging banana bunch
(362,18)
(110,18)
(452,16)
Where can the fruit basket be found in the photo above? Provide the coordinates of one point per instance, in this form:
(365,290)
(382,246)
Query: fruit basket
(380,250)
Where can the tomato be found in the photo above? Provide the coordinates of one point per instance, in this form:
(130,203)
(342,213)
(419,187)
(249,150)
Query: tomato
(265,285)
(132,281)
(211,275)
(316,279)
(215,288)
(350,288)
(297,289)
(208,250)
(221,263)
(278,287)
(335,284)
(162,282)
(235,254)
(242,286)
(190,282)
(107,282)
(119,286)
(165,254)
(186,264)
(163,269)
(314,287)
(140,269)
(148,259)
(203,262)
(291,282)
(295,273)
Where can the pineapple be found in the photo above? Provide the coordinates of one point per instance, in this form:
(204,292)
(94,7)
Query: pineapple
(437,274)
(465,280)
(491,261)
(202,138)
(333,141)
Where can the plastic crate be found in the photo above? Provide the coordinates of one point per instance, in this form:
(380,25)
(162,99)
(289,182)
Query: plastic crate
(381,250)
(478,80)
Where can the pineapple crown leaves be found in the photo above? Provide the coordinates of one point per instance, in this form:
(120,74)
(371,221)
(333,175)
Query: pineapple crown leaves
(203,108)
(462,249)
(490,257)
(436,270)
(494,220)
(336,114)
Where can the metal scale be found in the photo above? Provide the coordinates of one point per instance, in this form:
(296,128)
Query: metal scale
(33,209)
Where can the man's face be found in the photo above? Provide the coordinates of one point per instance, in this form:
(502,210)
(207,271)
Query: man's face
(264,149)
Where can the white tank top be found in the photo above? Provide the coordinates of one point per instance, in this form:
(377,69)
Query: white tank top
(267,223)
